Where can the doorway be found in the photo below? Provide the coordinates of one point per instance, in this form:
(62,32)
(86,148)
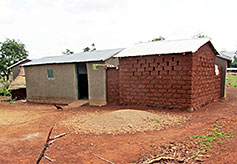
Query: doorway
(82,81)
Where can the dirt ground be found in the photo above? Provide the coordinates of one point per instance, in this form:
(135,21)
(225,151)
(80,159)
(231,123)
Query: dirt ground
(24,128)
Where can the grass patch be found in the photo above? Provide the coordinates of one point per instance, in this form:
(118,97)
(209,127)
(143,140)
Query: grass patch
(216,135)
(10,100)
(231,80)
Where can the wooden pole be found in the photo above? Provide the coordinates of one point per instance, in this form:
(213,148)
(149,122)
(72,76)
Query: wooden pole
(47,144)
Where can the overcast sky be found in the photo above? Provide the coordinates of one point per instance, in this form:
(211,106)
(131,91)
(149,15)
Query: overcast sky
(48,27)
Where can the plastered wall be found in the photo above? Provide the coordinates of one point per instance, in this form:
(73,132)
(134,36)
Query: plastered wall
(60,89)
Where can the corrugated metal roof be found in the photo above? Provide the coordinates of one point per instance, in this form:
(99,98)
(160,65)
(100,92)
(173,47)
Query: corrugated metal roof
(224,57)
(101,55)
(163,47)
(230,54)
(22,61)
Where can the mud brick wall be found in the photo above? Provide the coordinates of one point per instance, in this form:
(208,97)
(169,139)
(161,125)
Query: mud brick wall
(174,81)
(112,84)
(156,81)
(206,85)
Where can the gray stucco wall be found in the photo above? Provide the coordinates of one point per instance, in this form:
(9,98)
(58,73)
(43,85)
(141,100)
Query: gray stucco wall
(112,61)
(96,84)
(97,81)
(60,89)
(223,63)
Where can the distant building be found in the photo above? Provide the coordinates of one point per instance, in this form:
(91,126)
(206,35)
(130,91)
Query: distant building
(229,54)
(232,70)
(225,62)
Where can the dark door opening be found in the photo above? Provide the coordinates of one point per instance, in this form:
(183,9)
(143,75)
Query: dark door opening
(82,81)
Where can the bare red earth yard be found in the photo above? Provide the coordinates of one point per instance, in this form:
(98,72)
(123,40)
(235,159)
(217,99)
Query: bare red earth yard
(22,137)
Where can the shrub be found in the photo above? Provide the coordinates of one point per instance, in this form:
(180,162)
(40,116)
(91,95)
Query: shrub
(4,89)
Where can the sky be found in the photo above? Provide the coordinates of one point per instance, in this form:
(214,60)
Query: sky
(48,27)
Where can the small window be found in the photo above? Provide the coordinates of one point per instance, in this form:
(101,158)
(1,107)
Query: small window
(50,73)
(149,73)
(177,62)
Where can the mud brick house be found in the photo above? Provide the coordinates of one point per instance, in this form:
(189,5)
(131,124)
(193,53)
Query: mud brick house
(64,79)
(168,74)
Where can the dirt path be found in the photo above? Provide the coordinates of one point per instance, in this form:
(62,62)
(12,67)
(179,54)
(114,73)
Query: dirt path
(22,138)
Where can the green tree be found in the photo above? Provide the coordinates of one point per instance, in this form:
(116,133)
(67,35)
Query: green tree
(92,48)
(234,63)
(160,38)
(11,52)
(86,49)
(67,52)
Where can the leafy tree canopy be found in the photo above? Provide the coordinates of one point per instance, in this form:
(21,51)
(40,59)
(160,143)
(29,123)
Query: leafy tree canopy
(91,48)
(11,52)
(160,38)
(234,63)
(67,52)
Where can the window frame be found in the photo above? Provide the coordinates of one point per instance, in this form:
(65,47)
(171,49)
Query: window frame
(50,74)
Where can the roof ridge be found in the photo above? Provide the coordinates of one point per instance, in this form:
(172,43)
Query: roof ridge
(98,50)
(175,40)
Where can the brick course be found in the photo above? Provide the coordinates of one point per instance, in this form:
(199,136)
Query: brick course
(206,85)
(179,81)
(112,82)
(162,80)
